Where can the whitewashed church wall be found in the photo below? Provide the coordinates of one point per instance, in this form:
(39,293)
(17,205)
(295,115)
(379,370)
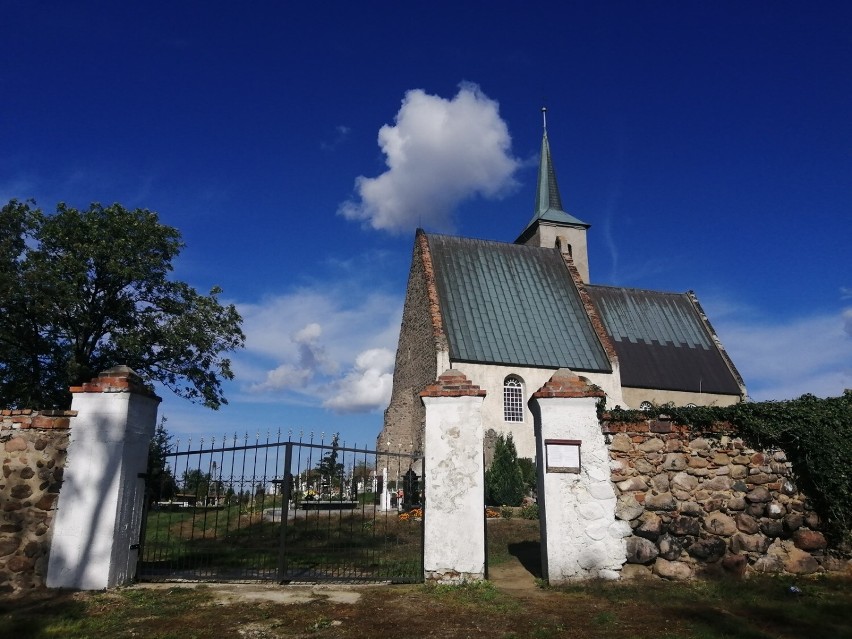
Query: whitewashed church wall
(491,378)
(633,397)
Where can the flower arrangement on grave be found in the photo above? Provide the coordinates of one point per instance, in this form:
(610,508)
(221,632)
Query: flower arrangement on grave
(414,513)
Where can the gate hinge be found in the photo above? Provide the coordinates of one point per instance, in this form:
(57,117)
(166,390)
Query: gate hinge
(134,546)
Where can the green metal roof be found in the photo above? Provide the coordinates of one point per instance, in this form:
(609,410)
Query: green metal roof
(636,315)
(512,304)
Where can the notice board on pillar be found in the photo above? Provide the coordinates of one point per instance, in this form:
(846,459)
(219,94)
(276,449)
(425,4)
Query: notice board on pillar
(562,455)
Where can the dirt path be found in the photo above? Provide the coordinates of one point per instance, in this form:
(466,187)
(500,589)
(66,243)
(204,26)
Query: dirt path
(513,578)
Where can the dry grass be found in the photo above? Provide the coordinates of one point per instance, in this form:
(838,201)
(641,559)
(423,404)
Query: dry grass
(756,608)
(752,609)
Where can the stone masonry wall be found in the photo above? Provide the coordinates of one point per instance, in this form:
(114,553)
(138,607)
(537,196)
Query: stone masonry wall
(33,446)
(705,504)
(421,335)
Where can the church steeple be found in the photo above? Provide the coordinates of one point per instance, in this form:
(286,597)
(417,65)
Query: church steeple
(547,196)
(551,225)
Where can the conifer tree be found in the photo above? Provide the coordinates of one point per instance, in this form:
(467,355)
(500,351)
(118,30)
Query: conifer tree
(504,482)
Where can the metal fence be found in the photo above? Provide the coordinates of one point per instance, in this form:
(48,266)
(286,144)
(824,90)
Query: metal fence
(283,510)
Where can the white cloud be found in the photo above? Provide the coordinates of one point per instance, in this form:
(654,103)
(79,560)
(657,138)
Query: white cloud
(312,361)
(367,386)
(439,153)
(311,336)
(341,133)
(786,360)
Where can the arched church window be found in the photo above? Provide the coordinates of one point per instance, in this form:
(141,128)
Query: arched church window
(646,406)
(513,399)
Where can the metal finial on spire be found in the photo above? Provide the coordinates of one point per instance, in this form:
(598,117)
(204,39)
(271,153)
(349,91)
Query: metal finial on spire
(544,117)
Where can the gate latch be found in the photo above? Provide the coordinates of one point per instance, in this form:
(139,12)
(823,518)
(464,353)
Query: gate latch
(134,546)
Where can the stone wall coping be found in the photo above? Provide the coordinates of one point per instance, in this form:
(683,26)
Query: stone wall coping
(452,383)
(120,379)
(566,383)
(27,418)
(660,425)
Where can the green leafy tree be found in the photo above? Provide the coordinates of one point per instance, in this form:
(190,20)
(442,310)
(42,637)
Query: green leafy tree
(195,482)
(161,481)
(528,473)
(504,481)
(82,291)
(331,470)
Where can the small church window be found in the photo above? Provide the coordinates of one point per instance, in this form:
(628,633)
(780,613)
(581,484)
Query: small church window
(513,400)
(646,406)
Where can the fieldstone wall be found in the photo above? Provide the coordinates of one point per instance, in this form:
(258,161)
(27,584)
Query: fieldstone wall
(705,504)
(33,446)
(421,338)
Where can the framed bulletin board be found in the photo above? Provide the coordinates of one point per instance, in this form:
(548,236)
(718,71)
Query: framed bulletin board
(562,455)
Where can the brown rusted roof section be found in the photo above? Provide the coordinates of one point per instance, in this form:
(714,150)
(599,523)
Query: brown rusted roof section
(663,341)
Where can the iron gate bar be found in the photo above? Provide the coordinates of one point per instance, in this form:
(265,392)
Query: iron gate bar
(186,551)
(285,510)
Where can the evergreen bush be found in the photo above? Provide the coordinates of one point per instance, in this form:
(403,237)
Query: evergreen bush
(504,481)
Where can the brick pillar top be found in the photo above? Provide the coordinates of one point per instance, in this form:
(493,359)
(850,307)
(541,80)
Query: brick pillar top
(452,383)
(118,379)
(566,383)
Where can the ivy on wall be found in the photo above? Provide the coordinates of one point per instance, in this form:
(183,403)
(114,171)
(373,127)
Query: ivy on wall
(815,434)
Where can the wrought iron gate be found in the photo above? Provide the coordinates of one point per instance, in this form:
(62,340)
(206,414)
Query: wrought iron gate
(286,511)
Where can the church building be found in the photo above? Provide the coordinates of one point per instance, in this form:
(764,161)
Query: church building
(509,315)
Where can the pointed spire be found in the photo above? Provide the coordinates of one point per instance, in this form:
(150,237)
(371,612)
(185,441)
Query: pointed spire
(547,196)
(548,200)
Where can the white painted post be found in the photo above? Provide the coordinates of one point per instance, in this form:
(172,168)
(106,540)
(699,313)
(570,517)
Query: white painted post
(454,479)
(99,511)
(580,536)
(384,501)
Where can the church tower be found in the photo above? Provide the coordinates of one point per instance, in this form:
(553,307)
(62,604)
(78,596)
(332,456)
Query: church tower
(550,225)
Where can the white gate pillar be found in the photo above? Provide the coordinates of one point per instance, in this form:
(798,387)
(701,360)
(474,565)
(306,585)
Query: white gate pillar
(454,478)
(99,511)
(580,536)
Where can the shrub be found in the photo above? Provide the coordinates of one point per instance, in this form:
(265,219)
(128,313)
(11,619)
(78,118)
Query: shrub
(504,482)
(529,511)
(528,473)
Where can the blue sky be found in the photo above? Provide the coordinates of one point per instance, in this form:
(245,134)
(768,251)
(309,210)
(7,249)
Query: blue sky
(297,146)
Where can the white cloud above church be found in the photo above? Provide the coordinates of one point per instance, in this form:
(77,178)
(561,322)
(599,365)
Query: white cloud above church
(438,153)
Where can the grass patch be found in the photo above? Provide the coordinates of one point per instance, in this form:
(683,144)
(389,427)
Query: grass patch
(231,542)
(508,538)
(756,608)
